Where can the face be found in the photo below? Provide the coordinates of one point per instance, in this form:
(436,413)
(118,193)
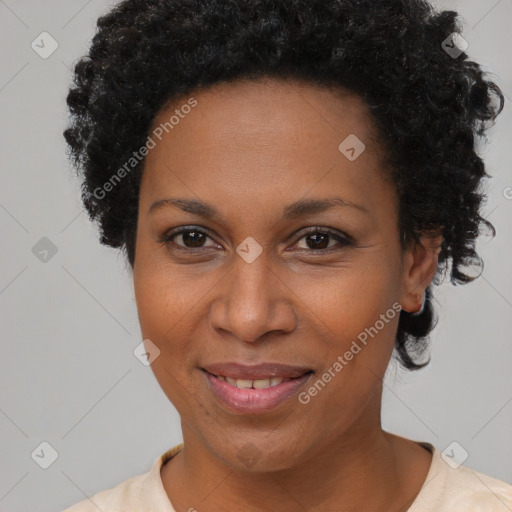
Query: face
(239,259)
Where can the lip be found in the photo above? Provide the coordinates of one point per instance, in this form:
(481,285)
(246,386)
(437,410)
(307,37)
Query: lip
(254,401)
(255,372)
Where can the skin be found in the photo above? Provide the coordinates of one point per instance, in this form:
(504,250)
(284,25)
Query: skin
(249,149)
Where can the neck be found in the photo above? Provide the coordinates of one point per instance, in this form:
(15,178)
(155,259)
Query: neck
(339,472)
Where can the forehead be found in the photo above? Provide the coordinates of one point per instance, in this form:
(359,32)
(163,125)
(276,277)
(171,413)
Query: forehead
(267,137)
(258,110)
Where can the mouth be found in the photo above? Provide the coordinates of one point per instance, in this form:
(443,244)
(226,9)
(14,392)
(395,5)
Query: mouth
(254,389)
(262,371)
(269,382)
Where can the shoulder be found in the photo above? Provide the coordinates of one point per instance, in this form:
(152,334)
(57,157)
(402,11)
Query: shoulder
(455,488)
(471,491)
(124,493)
(136,494)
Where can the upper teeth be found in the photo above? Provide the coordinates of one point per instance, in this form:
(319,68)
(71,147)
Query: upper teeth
(256,384)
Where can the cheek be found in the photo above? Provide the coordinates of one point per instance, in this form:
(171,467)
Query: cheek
(172,304)
(349,300)
(166,297)
(356,314)
(165,318)
(162,311)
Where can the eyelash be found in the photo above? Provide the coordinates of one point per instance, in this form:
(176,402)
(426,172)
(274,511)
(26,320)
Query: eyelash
(345,240)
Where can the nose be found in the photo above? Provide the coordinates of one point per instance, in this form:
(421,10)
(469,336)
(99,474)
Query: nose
(252,301)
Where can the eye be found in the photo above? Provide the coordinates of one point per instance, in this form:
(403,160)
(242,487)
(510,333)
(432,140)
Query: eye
(193,239)
(189,238)
(317,240)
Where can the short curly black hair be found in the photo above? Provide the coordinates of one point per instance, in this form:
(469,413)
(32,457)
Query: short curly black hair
(429,103)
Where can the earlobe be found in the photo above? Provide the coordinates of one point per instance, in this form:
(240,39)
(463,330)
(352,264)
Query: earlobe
(420,265)
(419,298)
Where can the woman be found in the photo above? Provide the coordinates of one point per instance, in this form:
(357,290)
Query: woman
(287,179)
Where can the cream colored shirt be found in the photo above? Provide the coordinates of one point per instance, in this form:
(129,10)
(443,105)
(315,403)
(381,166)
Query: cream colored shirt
(445,490)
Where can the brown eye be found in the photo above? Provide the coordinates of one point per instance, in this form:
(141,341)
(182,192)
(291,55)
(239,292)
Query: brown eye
(318,240)
(187,238)
(192,238)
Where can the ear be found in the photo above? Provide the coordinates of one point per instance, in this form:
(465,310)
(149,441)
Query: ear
(419,267)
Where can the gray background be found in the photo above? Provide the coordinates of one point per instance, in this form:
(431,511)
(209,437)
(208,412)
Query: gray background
(69,325)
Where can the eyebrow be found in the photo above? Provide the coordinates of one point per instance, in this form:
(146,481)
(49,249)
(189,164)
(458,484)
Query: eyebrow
(292,211)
